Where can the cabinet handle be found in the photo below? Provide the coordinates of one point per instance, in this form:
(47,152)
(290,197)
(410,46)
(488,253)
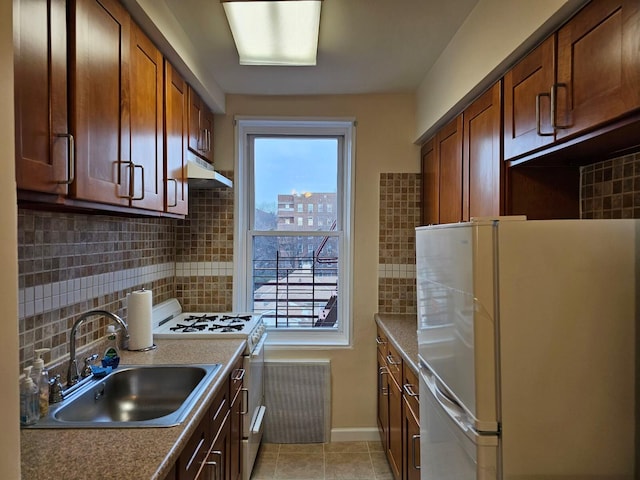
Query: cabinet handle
(392,360)
(214,465)
(71,158)
(218,452)
(538,126)
(381,341)
(238,374)
(132,167)
(202,140)
(413,451)
(133,176)
(408,389)
(208,140)
(245,410)
(554,102)
(175,190)
(382,371)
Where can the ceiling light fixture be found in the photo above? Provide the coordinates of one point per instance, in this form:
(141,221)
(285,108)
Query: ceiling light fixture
(274,32)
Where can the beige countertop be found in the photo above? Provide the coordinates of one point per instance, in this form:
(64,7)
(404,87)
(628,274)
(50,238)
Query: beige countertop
(127,453)
(402,330)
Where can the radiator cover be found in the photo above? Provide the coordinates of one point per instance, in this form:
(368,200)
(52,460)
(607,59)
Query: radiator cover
(298,401)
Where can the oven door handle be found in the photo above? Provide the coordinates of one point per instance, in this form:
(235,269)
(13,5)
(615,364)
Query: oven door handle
(244,407)
(257,425)
(257,351)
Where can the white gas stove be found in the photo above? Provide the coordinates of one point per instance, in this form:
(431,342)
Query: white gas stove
(169,321)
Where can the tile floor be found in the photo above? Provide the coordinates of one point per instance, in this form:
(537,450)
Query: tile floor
(318,461)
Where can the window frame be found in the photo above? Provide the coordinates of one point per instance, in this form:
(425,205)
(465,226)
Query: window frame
(245,129)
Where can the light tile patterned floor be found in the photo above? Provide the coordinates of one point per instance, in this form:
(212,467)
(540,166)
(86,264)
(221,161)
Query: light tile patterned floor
(318,461)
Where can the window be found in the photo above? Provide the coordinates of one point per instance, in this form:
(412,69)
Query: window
(299,275)
(319,208)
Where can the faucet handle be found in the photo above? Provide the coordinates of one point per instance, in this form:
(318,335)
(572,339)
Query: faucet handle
(55,390)
(86,370)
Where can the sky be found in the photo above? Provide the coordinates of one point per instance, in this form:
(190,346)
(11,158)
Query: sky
(294,165)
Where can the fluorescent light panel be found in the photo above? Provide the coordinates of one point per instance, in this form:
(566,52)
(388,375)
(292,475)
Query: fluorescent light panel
(281,32)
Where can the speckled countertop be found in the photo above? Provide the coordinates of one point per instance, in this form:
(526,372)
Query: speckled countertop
(127,453)
(402,330)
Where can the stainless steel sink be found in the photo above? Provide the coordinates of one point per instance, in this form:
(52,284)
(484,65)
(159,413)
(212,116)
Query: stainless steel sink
(132,396)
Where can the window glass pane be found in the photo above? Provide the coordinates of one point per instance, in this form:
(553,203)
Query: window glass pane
(295,280)
(292,175)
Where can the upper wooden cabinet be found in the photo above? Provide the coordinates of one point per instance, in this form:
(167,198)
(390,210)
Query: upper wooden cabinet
(597,59)
(200,127)
(527,107)
(147,129)
(93,138)
(101,101)
(449,154)
(462,170)
(430,170)
(483,167)
(176,131)
(598,66)
(44,148)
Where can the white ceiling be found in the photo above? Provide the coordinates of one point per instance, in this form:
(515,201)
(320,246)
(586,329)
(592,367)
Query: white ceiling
(365,46)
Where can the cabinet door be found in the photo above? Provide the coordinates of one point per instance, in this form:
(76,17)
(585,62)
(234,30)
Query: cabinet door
(216,466)
(411,429)
(394,449)
(100,101)
(43,147)
(207,128)
(147,170)
(235,421)
(383,400)
(527,102)
(196,114)
(191,460)
(430,184)
(176,138)
(481,156)
(598,65)
(449,152)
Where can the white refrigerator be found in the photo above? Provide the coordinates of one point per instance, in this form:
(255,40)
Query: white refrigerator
(527,344)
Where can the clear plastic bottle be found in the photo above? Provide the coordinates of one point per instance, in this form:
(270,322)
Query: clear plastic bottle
(29,400)
(40,377)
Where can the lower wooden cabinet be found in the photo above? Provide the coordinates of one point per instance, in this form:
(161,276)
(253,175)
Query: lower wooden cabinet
(214,450)
(410,426)
(398,411)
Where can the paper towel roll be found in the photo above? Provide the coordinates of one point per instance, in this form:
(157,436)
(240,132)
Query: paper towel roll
(139,305)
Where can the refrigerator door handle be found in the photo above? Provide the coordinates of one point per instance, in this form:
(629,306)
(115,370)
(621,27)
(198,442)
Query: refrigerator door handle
(451,407)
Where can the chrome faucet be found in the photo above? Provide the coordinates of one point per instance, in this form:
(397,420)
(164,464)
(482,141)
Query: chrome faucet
(72,374)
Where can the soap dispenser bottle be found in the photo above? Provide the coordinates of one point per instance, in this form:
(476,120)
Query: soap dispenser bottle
(111,355)
(40,377)
(29,396)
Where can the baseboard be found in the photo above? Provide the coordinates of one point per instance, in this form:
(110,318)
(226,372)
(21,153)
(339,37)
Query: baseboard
(355,434)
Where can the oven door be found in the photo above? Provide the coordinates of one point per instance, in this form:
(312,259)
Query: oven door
(253,422)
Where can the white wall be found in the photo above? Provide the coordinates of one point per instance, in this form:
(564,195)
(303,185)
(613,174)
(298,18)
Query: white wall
(494,35)
(9,408)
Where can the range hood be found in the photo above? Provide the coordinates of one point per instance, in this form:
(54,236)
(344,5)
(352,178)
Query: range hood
(201,174)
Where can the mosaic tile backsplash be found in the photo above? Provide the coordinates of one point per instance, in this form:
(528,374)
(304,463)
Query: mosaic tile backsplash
(611,189)
(399,215)
(70,263)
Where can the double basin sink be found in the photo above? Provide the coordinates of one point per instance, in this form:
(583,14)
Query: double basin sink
(132,396)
